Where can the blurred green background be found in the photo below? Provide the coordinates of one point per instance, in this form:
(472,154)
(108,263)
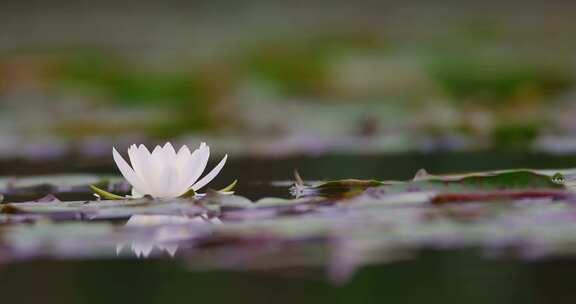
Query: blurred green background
(282,78)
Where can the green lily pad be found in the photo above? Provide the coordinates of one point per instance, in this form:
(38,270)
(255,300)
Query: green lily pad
(482,181)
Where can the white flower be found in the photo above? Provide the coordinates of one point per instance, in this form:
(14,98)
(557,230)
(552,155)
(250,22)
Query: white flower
(165,173)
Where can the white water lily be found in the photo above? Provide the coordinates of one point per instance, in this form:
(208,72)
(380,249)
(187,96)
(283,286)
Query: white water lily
(165,173)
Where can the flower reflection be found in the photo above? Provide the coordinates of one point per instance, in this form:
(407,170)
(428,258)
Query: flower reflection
(163,232)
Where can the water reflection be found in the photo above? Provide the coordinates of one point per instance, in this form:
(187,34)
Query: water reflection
(158,234)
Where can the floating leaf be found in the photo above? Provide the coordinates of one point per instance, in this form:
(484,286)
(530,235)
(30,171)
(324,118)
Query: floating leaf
(474,182)
(334,189)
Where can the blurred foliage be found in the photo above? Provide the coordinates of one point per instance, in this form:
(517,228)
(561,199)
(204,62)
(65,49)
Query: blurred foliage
(112,79)
(509,135)
(299,66)
(470,86)
(129,86)
(496,80)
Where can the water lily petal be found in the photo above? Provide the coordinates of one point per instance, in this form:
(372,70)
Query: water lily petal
(127,171)
(145,157)
(169,152)
(171,172)
(138,163)
(181,158)
(210,176)
(183,154)
(155,168)
(195,166)
(168,185)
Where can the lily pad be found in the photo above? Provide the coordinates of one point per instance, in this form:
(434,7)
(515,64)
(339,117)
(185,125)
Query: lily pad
(484,181)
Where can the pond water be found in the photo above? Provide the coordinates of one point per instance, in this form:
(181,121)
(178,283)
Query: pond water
(270,177)
(284,256)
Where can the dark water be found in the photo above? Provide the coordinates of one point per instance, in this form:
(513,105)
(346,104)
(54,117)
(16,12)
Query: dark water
(432,277)
(332,166)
